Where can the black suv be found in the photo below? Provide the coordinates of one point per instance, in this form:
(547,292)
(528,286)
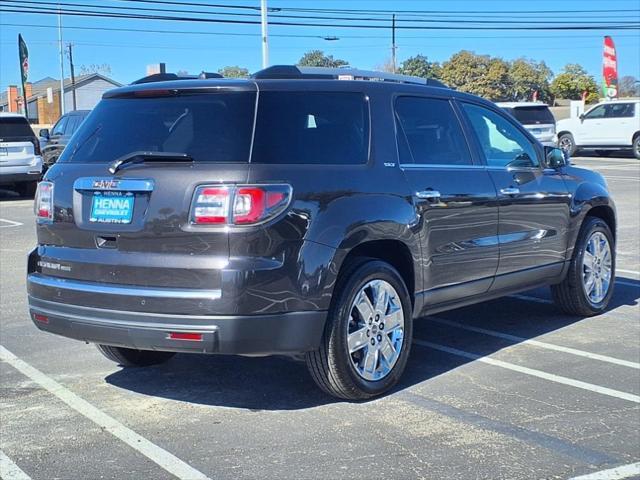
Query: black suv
(312,211)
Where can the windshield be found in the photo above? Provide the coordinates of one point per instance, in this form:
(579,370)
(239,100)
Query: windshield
(11,127)
(532,115)
(212,127)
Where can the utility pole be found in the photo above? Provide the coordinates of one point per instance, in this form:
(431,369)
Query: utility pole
(73,76)
(61,61)
(393,42)
(265,40)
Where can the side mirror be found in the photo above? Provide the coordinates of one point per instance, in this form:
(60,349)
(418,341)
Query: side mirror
(44,133)
(556,157)
(581,117)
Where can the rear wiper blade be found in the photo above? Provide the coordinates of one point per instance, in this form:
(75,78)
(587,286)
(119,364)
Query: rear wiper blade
(141,157)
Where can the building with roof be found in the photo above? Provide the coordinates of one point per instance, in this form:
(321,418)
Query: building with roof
(43,96)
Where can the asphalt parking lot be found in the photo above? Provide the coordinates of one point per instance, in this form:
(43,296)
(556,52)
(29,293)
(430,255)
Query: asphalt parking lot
(506,389)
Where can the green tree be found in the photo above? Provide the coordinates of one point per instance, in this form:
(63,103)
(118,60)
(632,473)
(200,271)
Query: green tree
(572,82)
(233,71)
(317,58)
(629,86)
(478,74)
(420,66)
(527,76)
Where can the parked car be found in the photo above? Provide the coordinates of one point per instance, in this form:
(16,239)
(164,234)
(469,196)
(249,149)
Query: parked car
(20,160)
(319,216)
(536,117)
(54,141)
(606,128)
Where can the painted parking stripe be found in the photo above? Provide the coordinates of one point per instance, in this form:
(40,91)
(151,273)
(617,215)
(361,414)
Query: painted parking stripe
(536,343)
(530,371)
(4,223)
(617,473)
(9,470)
(631,272)
(153,452)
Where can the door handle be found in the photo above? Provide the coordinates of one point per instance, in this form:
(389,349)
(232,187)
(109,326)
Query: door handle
(510,191)
(429,195)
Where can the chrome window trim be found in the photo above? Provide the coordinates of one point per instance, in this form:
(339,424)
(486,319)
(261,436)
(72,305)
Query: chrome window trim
(440,166)
(128,290)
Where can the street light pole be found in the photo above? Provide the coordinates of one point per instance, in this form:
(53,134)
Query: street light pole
(393,43)
(60,46)
(265,40)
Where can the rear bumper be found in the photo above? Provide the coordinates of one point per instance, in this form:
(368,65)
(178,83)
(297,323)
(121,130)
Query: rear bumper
(293,332)
(21,173)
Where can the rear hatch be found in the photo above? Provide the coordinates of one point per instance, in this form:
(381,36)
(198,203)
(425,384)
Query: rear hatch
(131,225)
(538,119)
(16,142)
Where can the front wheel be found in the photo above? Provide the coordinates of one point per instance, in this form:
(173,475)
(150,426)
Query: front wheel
(130,357)
(588,286)
(567,144)
(636,147)
(368,334)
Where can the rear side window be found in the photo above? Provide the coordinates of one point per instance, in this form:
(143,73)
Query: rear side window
(210,127)
(431,131)
(311,128)
(58,128)
(11,127)
(533,115)
(620,110)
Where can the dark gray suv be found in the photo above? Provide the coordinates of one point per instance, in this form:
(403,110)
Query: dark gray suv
(305,211)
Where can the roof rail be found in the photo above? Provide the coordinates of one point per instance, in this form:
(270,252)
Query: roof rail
(162,77)
(346,73)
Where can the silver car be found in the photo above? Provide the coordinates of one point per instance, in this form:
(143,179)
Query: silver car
(535,117)
(20,158)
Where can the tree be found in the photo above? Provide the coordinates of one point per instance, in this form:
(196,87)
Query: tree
(420,66)
(317,58)
(234,72)
(478,74)
(572,82)
(528,76)
(629,86)
(102,69)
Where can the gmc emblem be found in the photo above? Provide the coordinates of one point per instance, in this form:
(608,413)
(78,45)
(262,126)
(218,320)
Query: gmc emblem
(106,184)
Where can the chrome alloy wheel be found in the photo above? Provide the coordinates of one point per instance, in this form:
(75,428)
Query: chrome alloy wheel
(597,267)
(375,330)
(565,143)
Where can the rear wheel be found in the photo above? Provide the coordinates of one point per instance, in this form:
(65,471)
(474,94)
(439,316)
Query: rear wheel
(130,357)
(567,143)
(588,286)
(367,338)
(636,147)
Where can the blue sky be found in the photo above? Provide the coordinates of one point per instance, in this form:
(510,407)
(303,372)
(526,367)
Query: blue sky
(128,53)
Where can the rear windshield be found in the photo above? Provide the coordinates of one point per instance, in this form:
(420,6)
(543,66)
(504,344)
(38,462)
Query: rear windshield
(212,127)
(12,127)
(311,128)
(532,115)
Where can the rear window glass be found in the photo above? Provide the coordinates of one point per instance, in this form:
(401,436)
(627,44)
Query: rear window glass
(214,127)
(14,127)
(532,115)
(311,128)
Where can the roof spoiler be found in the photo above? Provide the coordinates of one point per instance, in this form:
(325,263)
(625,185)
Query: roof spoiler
(163,77)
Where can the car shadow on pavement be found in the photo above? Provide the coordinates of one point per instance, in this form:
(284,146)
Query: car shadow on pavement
(279,383)
(8,195)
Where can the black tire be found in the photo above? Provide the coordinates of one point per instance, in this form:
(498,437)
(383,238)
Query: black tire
(604,153)
(567,143)
(331,366)
(636,146)
(129,357)
(27,189)
(570,294)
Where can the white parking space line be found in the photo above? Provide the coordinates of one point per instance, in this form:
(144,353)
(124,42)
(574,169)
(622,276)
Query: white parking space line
(617,473)
(9,470)
(548,346)
(4,223)
(630,272)
(534,373)
(153,452)
(616,177)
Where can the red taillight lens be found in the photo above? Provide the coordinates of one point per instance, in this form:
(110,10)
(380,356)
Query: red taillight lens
(40,318)
(36,146)
(238,205)
(210,205)
(43,204)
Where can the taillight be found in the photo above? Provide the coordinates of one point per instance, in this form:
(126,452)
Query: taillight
(36,146)
(43,204)
(238,205)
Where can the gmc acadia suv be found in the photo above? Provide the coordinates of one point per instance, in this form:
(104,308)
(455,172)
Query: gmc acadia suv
(305,211)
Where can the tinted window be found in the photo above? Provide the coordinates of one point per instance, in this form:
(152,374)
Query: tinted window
(501,141)
(619,110)
(598,112)
(14,127)
(58,128)
(432,132)
(213,127)
(311,128)
(532,115)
